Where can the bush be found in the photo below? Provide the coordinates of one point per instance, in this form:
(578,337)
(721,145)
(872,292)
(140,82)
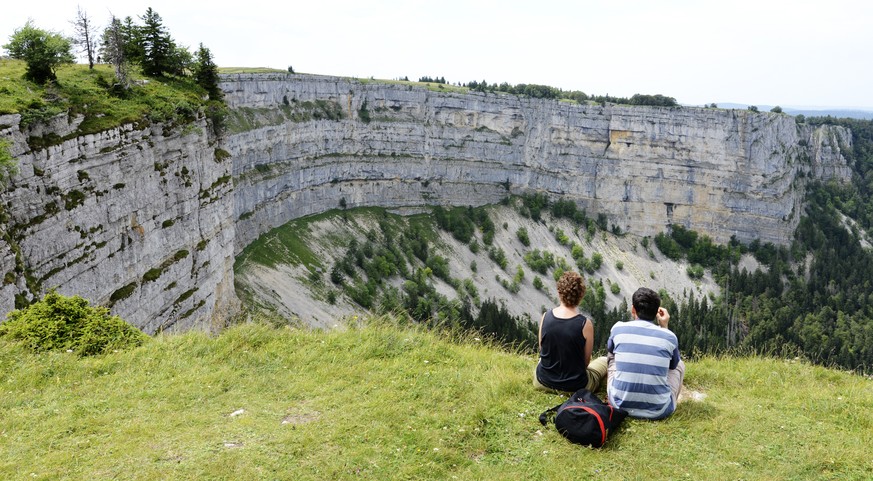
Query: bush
(61,323)
(615,288)
(8,164)
(521,233)
(561,237)
(695,271)
(497,255)
(596,261)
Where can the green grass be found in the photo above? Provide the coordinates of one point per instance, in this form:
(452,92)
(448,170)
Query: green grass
(286,244)
(82,91)
(289,243)
(393,402)
(230,70)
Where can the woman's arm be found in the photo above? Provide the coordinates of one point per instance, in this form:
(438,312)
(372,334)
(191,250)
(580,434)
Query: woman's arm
(588,334)
(540,335)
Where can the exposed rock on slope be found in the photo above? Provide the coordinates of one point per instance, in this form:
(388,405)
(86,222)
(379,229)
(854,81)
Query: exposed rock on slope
(288,288)
(137,217)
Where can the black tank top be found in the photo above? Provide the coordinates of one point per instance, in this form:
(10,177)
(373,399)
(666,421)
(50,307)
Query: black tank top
(562,356)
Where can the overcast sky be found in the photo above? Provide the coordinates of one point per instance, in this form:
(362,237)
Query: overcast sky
(791,53)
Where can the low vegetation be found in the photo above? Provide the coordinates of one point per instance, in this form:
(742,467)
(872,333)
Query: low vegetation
(395,268)
(393,401)
(69,324)
(147,77)
(79,90)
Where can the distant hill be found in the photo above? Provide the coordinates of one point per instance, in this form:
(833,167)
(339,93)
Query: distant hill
(833,112)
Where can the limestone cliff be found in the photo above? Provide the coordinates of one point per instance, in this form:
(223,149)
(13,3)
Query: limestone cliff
(147,218)
(304,143)
(138,217)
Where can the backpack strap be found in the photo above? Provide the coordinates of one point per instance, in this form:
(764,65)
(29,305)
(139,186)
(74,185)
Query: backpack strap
(544,417)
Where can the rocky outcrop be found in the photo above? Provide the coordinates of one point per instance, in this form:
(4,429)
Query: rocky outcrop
(138,217)
(147,218)
(304,144)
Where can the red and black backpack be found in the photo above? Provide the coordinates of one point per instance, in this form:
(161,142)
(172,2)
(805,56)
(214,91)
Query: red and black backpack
(585,419)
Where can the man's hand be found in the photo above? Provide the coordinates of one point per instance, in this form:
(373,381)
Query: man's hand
(663,317)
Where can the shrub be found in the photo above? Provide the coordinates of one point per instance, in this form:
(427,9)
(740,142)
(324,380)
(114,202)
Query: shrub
(474,246)
(497,255)
(63,323)
(596,260)
(540,261)
(8,164)
(615,288)
(521,233)
(695,271)
(561,237)
(363,113)
(619,265)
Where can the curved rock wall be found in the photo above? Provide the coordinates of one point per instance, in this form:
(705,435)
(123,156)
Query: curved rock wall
(303,143)
(137,217)
(147,219)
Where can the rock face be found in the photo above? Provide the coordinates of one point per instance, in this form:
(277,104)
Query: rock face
(303,144)
(139,218)
(148,218)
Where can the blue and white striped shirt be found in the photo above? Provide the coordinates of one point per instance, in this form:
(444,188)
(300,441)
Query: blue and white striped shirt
(644,352)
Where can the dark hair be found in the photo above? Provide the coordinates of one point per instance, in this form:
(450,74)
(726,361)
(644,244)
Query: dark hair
(646,302)
(571,288)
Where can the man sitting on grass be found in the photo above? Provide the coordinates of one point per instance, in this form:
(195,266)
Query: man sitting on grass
(645,372)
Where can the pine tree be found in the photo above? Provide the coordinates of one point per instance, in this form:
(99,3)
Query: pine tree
(206,73)
(156,44)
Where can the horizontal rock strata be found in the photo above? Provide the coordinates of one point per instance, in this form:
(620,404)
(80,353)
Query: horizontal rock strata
(304,143)
(147,218)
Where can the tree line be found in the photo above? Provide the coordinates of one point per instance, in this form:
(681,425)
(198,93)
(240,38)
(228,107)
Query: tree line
(812,298)
(548,92)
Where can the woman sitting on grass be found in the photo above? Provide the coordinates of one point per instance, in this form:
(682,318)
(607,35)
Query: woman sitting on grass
(566,340)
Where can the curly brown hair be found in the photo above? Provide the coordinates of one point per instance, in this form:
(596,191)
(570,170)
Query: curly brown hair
(571,288)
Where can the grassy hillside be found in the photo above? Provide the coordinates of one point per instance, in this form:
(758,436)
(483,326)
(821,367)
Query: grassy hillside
(394,402)
(79,90)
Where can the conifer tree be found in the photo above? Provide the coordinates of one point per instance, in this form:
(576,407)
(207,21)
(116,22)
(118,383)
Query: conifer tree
(156,44)
(114,50)
(206,73)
